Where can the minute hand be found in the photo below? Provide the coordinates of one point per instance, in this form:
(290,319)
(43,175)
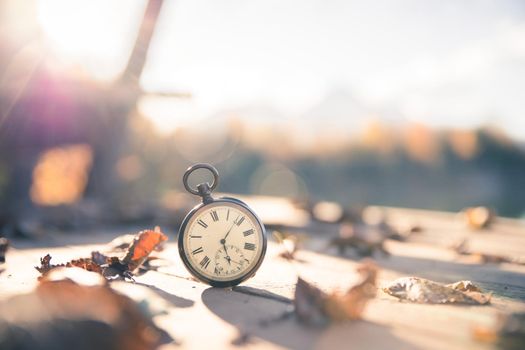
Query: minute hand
(230,230)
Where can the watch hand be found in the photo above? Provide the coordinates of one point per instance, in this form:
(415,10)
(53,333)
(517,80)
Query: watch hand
(227,257)
(231,227)
(223,241)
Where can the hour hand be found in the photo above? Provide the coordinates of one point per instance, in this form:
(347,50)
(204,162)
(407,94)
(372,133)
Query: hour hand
(227,257)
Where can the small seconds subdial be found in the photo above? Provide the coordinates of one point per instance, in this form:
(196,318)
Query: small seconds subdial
(229,260)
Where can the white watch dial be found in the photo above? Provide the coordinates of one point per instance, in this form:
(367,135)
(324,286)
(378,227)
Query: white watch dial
(223,241)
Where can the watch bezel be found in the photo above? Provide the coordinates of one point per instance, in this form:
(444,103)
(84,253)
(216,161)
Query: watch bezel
(197,274)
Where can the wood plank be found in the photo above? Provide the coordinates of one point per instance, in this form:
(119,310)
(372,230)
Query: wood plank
(193,309)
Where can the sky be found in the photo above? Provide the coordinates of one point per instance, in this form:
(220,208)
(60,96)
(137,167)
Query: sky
(446,63)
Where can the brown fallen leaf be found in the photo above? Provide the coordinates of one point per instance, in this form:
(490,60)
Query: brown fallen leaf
(242,339)
(141,247)
(84,263)
(316,307)
(72,308)
(290,244)
(350,305)
(290,247)
(364,239)
(4,246)
(478,218)
(421,290)
(113,267)
(464,286)
(404,233)
(509,332)
(99,258)
(483,258)
(309,303)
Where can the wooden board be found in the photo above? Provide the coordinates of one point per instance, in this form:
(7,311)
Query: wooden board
(198,316)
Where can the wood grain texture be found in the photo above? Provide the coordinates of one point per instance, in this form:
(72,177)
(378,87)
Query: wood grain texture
(199,316)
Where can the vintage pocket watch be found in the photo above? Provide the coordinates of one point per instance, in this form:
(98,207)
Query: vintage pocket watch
(222,242)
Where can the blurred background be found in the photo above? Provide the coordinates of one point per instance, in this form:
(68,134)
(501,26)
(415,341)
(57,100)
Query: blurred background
(105,103)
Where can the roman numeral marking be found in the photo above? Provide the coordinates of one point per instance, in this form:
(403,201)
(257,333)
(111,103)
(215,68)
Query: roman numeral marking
(214,216)
(197,251)
(216,271)
(228,215)
(249,246)
(248,232)
(202,223)
(195,236)
(238,221)
(205,262)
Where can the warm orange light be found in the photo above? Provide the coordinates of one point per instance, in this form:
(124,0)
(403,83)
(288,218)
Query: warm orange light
(61,175)
(422,144)
(378,137)
(464,143)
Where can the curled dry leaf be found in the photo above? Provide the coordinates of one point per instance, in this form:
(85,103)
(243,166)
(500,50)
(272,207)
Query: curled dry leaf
(4,245)
(465,286)
(403,234)
(363,239)
(290,246)
(316,307)
(141,247)
(99,258)
(483,258)
(113,267)
(421,290)
(75,309)
(242,339)
(84,263)
(309,303)
(478,218)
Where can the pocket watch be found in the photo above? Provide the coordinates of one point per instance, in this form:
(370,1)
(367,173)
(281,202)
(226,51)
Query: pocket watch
(221,242)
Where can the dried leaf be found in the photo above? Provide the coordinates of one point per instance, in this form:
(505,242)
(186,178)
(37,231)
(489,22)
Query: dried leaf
(4,246)
(465,286)
(290,247)
(313,306)
(113,267)
(75,309)
(309,303)
(478,218)
(365,240)
(99,258)
(45,265)
(242,339)
(421,290)
(84,263)
(483,258)
(350,305)
(404,234)
(143,244)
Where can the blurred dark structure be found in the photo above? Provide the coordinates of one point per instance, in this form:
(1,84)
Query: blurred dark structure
(41,109)
(135,172)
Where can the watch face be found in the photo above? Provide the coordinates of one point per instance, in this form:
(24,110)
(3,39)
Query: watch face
(222,242)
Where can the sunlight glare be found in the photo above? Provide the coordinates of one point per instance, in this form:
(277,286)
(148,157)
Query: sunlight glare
(95,35)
